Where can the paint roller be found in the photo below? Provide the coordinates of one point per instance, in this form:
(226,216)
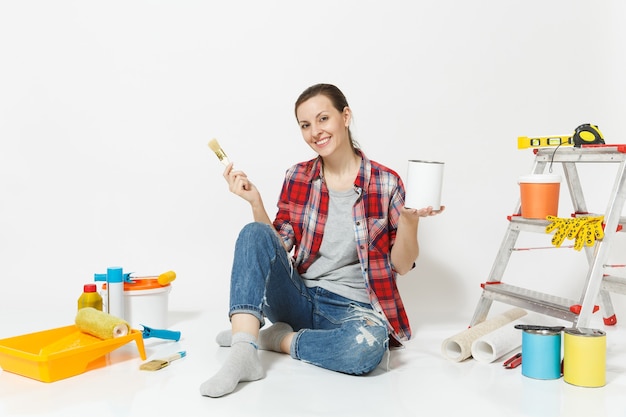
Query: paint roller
(100,324)
(166,277)
(163,279)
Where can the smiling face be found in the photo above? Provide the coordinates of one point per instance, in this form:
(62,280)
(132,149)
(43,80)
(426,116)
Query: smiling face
(323,127)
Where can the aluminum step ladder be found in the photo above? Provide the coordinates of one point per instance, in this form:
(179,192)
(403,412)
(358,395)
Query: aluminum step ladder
(598,285)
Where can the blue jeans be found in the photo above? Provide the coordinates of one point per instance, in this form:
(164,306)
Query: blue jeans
(333,332)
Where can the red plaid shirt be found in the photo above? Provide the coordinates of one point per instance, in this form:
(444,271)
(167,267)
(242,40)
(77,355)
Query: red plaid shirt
(302,213)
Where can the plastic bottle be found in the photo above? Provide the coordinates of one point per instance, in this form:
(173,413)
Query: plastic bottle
(115,292)
(90,297)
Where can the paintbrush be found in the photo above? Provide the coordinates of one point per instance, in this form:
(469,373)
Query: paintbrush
(156,364)
(221,155)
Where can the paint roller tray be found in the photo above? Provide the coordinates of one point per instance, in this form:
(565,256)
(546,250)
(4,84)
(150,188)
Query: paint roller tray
(60,353)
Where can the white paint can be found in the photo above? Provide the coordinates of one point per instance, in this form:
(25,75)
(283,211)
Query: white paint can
(424,183)
(146,303)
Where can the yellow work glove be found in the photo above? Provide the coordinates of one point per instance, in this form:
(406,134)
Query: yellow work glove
(560,225)
(590,232)
(584,230)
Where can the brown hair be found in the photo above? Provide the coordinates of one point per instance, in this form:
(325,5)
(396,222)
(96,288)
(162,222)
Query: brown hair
(335,96)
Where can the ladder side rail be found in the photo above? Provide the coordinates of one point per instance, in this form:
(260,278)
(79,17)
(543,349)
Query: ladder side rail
(594,277)
(482,309)
(539,166)
(504,254)
(605,302)
(496,273)
(606,305)
(580,207)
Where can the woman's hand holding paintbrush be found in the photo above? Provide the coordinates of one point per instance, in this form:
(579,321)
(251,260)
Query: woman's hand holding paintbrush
(239,184)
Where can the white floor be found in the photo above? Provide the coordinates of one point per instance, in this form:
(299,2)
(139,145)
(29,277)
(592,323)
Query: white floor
(421,381)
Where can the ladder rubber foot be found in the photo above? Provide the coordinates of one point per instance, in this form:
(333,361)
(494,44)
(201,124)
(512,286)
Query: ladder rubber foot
(610,321)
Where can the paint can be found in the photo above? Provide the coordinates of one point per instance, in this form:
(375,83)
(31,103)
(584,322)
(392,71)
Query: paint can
(539,195)
(146,302)
(584,357)
(424,183)
(541,354)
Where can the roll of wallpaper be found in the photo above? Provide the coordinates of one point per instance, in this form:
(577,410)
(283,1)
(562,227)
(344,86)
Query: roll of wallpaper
(459,347)
(496,344)
(100,324)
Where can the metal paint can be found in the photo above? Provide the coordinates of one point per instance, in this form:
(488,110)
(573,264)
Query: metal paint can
(584,357)
(541,354)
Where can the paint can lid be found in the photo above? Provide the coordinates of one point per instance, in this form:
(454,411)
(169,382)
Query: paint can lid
(539,179)
(143,284)
(423,161)
(585,332)
(542,332)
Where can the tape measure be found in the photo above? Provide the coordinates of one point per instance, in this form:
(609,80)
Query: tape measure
(587,134)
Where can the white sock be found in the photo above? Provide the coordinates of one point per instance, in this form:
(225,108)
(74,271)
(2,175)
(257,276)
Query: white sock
(269,339)
(243,364)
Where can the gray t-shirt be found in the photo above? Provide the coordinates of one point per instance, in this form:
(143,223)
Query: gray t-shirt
(337,269)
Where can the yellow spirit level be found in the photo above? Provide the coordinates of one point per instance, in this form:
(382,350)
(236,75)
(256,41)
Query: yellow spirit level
(524,142)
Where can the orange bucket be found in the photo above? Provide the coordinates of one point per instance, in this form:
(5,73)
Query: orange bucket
(539,195)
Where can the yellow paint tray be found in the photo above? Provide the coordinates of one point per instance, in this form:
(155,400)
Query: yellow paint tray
(60,353)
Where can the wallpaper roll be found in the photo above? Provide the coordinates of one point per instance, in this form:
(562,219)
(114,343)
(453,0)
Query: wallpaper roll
(496,344)
(100,324)
(459,347)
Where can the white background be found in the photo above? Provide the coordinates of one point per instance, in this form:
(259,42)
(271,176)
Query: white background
(106,110)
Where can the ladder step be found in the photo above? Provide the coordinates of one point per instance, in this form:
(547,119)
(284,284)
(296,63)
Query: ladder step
(531,300)
(539,226)
(606,153)
(614,283)
(528,225)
